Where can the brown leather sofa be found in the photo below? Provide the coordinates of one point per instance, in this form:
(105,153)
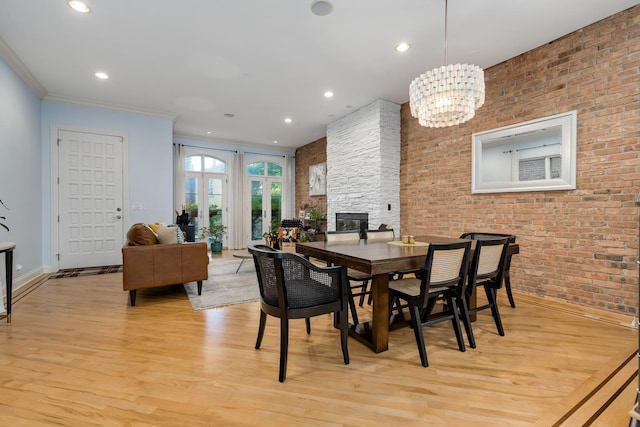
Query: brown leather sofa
(146,263)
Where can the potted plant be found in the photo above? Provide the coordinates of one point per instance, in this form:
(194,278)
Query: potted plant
(216,232)
(317,216)
(2,218)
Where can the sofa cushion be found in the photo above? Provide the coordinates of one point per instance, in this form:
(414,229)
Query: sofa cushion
(141,235)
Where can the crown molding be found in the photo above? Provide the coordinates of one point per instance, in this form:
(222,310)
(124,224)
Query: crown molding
(106,106)
(20,69)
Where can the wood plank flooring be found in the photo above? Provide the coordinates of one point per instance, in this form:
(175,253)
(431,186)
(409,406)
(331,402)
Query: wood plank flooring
(76,354)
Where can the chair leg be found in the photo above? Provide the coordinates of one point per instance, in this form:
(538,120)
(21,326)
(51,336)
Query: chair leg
(307,322)
(417,331)
(507,287)
(263,322)
(466,320)
(451,301)
(352,306)
(493,303)
(344,334)
(200,287)
(132,298)
(426,312)
(363,291)
(284,348)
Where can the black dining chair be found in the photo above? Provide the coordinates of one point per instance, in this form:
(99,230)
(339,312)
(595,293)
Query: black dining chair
(379,235)
(443,276)
(293,288)
(357,280)
(505,277)
(486,270)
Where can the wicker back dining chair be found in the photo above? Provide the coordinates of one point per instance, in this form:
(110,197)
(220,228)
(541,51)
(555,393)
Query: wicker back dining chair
(486,270)
(380,235)
(474,235)
(443,276)
(293,288)
(358,280)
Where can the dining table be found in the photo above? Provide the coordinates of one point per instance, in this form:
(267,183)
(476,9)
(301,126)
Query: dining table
(379,260)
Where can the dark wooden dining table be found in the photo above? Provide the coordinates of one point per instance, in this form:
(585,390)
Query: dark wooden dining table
(377,259)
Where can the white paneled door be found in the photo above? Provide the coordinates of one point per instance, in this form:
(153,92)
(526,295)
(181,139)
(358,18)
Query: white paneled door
(90,199)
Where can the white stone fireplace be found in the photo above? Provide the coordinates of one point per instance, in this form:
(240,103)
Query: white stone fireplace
(363,165)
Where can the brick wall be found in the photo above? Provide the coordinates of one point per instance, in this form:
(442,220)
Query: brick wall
(310,154)
(581,245)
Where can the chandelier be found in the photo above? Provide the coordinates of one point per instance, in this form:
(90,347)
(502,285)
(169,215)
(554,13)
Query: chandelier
(448,95)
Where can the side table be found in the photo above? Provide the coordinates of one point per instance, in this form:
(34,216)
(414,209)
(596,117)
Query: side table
(7,249)
(243,257)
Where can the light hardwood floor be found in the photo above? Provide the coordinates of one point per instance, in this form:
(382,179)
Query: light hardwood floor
(76,354)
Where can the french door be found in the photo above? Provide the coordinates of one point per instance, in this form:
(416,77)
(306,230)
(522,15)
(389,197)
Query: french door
(266,206)
(206,200)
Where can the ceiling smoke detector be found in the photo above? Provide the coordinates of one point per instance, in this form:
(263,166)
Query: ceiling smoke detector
(321,7)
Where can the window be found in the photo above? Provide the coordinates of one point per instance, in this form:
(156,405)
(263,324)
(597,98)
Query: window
(259,168)
(204,163)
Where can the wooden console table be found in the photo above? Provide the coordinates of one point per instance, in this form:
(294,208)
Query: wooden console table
(7,249)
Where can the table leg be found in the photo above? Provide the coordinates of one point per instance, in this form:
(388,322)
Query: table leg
(9,275)
(375,333)
(380,327)
(241,262)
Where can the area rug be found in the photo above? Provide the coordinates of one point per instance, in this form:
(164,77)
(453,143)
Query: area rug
(86,271)
(225,286)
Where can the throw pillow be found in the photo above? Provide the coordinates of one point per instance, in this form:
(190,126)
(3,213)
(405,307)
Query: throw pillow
(154,227)
(141,235)
(179,232)
(167,235)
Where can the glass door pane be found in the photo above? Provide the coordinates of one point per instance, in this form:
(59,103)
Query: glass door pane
(276,204)
(192,198)
(216,201)
(256,210)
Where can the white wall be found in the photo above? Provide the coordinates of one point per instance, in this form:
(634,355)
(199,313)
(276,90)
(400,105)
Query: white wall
(363,165)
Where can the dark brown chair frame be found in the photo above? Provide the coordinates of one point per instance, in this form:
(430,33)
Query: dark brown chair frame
(506,278)
(291,287)
(491,281)
(422,305)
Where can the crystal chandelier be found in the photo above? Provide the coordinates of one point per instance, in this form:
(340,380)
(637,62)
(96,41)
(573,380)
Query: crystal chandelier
(448,95)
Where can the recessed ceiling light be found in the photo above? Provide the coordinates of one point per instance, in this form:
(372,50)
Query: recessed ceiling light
(275,142)
(328,94)
(102,76)
(403,47)
(288,120)
(208,132)
(79,6)
(321,7)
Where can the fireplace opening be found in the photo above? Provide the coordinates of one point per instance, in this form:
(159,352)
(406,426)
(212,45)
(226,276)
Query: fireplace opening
(353,221)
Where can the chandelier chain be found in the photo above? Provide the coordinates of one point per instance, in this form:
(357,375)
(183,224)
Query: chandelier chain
(446,55)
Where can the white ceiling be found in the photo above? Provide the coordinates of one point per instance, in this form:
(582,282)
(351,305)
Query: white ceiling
(264,60)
